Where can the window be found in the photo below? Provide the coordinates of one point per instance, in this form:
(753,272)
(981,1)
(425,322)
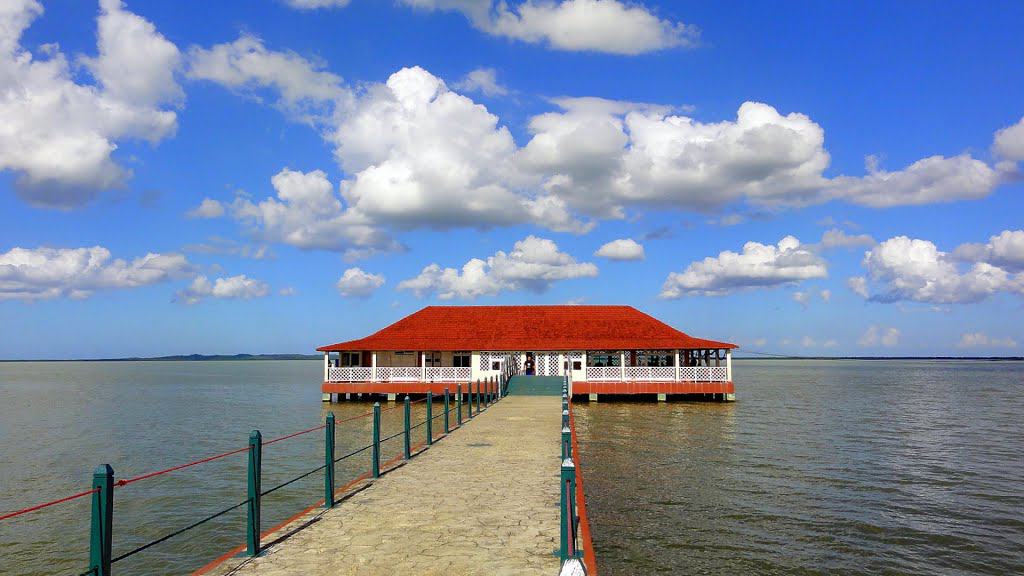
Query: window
(577,365)
(603,359)
(461,359)
(350,358)
(495,365)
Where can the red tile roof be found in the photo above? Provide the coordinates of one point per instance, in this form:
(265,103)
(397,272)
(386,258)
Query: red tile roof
(522,328)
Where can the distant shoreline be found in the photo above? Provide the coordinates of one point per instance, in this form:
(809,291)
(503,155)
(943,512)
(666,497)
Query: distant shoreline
(183,358)
(257,357)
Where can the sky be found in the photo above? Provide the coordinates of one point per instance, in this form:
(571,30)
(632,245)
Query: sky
(799,178)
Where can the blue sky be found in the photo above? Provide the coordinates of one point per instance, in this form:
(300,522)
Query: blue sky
(273,176)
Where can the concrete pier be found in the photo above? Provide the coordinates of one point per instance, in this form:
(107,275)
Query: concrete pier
(484,500)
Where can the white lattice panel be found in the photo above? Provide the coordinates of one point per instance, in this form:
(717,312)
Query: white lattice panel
(348,374)
(448,374)
(703,373)
(485,361)
(398,373)
(603,373)
(650,373)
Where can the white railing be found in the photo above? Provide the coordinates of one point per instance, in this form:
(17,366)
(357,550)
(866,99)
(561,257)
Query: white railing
(599,373)
(398,374)
(449,374)
(703,373)
(651,373)
(657,374)
(353,374)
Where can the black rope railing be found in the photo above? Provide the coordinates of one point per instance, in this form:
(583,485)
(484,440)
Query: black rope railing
(175,533)
(255,447)
(293,480)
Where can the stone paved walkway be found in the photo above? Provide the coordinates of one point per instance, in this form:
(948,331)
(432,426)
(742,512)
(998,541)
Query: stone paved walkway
(484,500)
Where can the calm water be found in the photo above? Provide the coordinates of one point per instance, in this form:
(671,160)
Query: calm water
(821,467)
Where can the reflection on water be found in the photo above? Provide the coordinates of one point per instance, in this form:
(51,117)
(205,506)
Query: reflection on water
(59,420)
(821,467)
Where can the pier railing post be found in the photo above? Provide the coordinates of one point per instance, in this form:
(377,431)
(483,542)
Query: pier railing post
(252,524)
(447,426)
(430,417)
(102,523)
(407,446)
(469,400)
(458,404)
(567,529)
(566,442)
(329,462)
(375,452)
(477,396)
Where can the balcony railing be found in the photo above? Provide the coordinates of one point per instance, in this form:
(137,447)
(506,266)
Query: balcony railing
(399,374)
(657,374)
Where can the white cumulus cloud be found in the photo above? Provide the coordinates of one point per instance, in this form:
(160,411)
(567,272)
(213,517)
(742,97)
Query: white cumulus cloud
(306,90)
(903,268)
(1005,250)
(982,340)
(482,80)
(307,213)
(533,264)
(234,287)
(43,273)
(927,181)
(609,26)
(59,135)
(621,249)
(879,336)
(208,208)
(1009,142)
(758,265)
(836,238)
(354,282)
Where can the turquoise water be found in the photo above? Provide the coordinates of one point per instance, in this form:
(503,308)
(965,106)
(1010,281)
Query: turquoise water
(820,467)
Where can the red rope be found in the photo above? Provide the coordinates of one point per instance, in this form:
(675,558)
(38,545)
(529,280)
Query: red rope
(127,481)
(294,434)
(47,504)
(179,467)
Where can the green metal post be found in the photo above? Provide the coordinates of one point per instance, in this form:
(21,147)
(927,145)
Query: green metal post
(447,423)
(469,400)
(252,524)
(477,397)
(329,462)
(566,443)
(430,417)
(407,448)
(375,453)
(458,404)
(567,530)
(102,524)
(490,391)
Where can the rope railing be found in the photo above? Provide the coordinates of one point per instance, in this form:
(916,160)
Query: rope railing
(15,513)
(101,558)
(572,548)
